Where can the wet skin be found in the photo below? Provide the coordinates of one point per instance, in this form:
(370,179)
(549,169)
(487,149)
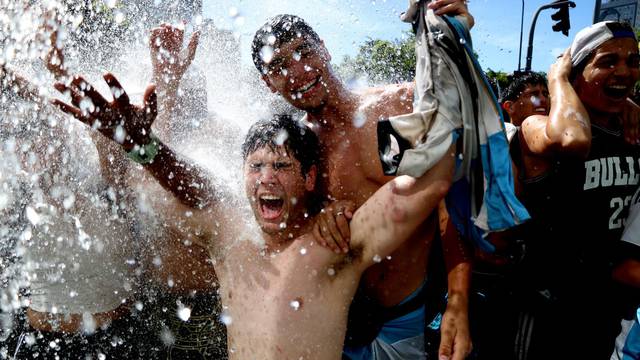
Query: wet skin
(352,169)
(597,96)
(609,77)
(534,99)
(299,292)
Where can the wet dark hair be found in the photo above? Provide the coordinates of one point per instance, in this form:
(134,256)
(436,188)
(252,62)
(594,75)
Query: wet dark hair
(296,138)
(519,83)
(284,28)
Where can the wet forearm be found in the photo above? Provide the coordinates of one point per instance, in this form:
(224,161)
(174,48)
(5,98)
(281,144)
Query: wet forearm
(113,162)
(396,210)
(167,91)
(187,181)
(569,127)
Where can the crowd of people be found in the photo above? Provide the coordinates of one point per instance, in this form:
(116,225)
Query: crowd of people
(348,243)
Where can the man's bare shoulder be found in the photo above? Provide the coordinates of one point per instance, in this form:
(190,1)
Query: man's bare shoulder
(388,100)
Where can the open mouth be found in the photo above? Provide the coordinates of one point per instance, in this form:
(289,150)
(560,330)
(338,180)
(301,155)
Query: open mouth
(271,206)
(540,110)
(616,91)
(308,86)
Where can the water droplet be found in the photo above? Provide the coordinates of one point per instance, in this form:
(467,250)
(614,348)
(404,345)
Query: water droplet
(86,106)
(32,216)
(359,119)
(331,272)
(110,3)
(88,323)
(377,258)
(282,136)
(68,201)
(225,318)
(295,304)
(157,261)
(266,54)
(283,225)
(119,17)
(167,337)
(184,313)
(303,251)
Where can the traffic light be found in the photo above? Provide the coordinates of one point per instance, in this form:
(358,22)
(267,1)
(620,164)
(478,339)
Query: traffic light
(563,23)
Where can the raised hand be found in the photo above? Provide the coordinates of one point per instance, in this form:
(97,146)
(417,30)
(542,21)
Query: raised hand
(119,120)
(169,63)
(561,69)
(452,8)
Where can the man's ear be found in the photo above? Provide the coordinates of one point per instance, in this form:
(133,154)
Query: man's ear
(310,178)
(507,106)
(268,82)
(326,52)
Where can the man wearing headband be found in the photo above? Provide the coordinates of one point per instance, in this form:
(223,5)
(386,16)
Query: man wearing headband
(580,177)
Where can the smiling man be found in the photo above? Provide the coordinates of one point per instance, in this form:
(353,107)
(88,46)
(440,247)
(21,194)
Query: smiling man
(578,192)
(526,95)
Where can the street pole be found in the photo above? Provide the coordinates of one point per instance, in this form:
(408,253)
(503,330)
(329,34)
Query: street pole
(533,28)
(521,30)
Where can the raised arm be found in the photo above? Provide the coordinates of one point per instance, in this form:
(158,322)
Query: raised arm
(130,126)
(169,65)
(113,164)
(567,129)
(396,210)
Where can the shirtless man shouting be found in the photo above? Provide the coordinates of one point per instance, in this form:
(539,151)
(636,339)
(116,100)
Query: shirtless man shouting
(298,292)
(346,124)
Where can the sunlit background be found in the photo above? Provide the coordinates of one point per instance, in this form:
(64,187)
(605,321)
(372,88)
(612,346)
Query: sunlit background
(345,25)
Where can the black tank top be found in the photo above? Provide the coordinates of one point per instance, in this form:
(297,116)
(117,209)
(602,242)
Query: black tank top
(578,210)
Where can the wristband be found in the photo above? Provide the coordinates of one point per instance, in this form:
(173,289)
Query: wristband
(146,153)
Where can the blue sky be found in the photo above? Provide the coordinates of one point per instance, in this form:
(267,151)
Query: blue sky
(345,24)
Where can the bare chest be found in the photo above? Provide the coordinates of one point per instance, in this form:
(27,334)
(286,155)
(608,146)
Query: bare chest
(352,168)
(282,308)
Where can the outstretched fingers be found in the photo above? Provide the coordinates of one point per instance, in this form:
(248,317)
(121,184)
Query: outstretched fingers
(120,97)
(80,88)
(191,48)
(72,110)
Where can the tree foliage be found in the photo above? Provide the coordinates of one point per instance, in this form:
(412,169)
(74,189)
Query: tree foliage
(498,79)
(382,61)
